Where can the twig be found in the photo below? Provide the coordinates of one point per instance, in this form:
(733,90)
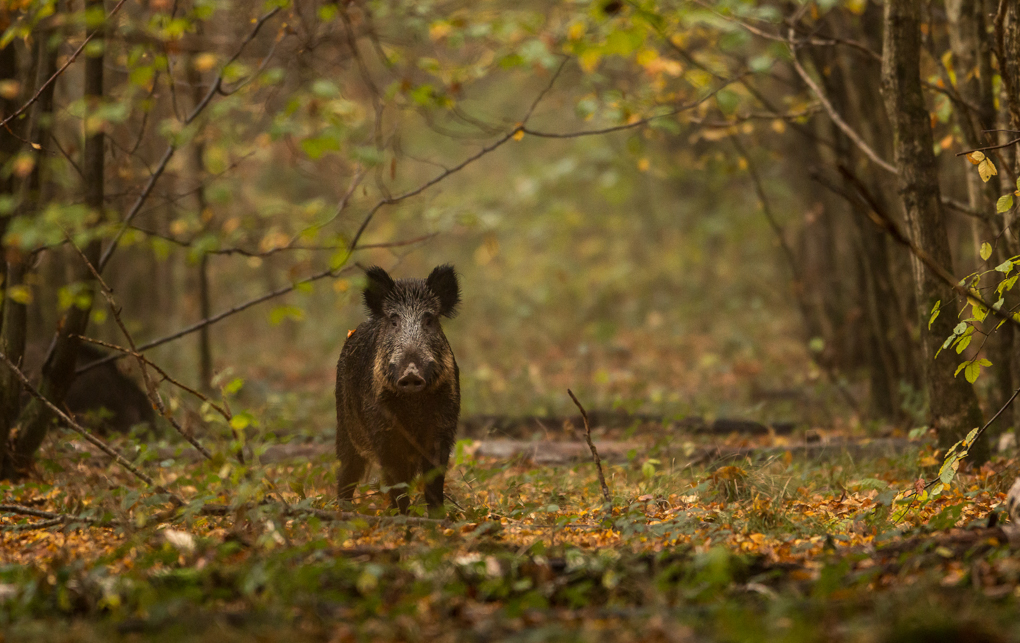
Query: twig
(52,519)
(150,388)
(594,452)
(168,154)
(77,428)
(990,147)
(931,483)
(791,259)
(184,387)
(836,118)
(52,79)
(881,219)
(217,317)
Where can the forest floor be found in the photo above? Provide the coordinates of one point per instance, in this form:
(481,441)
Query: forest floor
(717,530)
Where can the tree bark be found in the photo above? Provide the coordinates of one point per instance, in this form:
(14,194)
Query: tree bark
(1007,35)
(952,405)
(205,360)
(972,63)
(9,145)
(58,369)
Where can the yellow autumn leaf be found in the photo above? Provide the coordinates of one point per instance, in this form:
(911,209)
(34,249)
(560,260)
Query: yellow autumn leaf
(643,164)
(9,89)
(518,135)
(976,157)
(204,62)
(986,169)
(647,56)
(576,31)
(590,60)
(439,29)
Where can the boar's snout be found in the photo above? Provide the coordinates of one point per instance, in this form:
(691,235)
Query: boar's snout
(411,380)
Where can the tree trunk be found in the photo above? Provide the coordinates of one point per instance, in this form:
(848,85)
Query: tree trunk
(972,62)
(205,359)
(58,369)
(9,145)
(952,405)
(1007,31)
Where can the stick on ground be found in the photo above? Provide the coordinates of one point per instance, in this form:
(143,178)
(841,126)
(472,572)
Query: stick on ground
(594,451)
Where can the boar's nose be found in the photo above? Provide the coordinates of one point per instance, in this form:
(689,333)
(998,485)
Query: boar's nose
(411,381)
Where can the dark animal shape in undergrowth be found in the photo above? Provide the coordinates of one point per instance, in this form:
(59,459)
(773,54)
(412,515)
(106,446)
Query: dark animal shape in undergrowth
(398,387)
(103,399)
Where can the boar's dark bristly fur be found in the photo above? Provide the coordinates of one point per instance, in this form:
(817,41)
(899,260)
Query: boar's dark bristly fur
(398,386)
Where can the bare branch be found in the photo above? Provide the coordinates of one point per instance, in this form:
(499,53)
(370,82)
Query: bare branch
(594,452)
(836,118)
(53,78)
(168,154)
(84,433)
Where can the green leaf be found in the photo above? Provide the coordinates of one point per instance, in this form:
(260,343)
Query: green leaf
(233,386)
(1004,203)
(934,313)
(962,366)
(1005,267)
(1007,284)
(979,311)
(969,440)
(986,250)
(242,420)
(949,468)
(972,371)
(963,344)
(280,313)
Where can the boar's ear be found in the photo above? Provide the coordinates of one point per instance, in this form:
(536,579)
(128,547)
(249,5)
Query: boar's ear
(443,282)
(379,285)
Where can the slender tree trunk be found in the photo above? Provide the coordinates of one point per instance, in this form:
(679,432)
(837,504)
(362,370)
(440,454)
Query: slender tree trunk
(205,360)
(1007,36)
(9,145)
(58,369)
(973,66)
(952,405)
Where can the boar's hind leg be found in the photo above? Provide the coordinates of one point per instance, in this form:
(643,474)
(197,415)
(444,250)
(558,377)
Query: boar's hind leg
(435,474)
(394,474)
(352,469)
(352,466)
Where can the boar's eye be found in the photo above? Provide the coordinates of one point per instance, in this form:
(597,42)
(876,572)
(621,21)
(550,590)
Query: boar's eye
(428,319)
(395,320)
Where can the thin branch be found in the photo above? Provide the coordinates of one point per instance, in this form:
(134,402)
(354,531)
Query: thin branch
(990,147)
(594,452)
(882,220)
(52,79)
(166,377)
(84,433)
(150,388)
(217,317)
(836,118)
(638,123)
(168,154)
